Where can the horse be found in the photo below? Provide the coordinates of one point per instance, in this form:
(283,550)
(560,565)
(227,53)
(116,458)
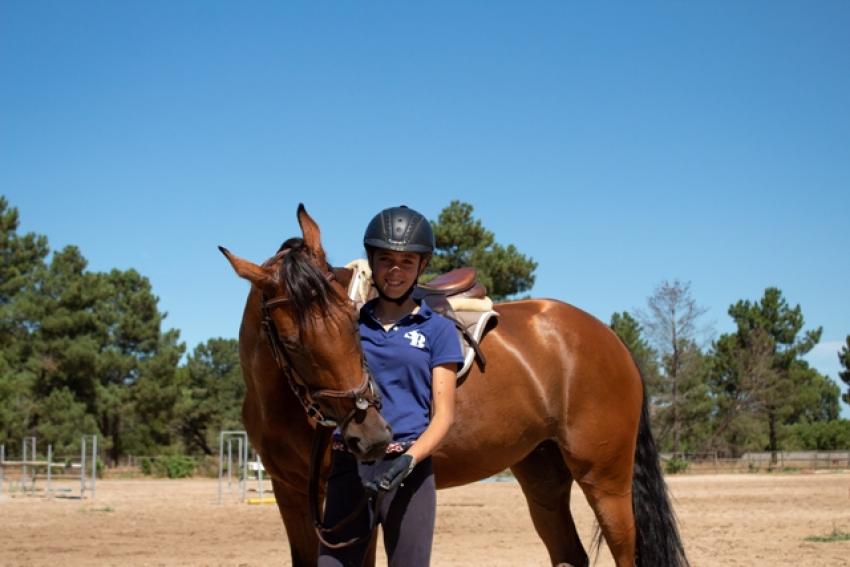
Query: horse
(560,401)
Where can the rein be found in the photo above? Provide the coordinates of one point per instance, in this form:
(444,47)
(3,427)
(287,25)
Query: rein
(365,395)
(370,498)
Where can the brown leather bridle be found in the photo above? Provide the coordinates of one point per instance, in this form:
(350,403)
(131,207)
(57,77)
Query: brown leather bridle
(364,395)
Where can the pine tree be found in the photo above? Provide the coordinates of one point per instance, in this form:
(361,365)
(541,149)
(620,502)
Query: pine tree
(21,262)
(759,374)
(463,241)
(212,390)
(631,333)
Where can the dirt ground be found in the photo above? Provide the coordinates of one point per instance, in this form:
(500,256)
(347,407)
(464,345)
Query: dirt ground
(743,520)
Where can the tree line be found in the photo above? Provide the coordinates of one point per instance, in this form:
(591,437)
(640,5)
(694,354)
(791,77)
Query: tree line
(747,390)
(84,352)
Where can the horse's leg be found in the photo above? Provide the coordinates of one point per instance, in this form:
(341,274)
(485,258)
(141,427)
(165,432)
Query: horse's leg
(546,483)
(613,509)
(605,476)
(294,508)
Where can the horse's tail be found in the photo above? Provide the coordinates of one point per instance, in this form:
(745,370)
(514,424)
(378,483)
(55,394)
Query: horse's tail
(658,543)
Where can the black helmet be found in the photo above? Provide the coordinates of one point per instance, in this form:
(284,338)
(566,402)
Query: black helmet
(400,229)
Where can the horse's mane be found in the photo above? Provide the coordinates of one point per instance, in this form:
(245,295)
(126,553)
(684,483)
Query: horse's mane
(306,285)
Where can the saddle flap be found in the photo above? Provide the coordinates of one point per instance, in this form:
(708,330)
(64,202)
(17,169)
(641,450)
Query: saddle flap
(476,324)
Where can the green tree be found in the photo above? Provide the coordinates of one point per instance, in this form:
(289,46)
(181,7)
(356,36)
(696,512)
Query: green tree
(20,256)
(759,372)
(631,333)
(80,351)
(671,322)
(742,377)
(62,419)
(155,420)
(212,390)
(463,241)
(21,263)
(136,367)
(844,359)
(820,436)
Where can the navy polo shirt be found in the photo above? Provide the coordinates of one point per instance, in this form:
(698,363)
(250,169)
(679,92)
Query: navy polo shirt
(401,361)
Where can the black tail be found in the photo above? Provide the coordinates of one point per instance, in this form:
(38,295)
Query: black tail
(658,541)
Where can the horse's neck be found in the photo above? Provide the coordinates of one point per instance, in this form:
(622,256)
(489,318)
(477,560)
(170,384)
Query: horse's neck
(268,391)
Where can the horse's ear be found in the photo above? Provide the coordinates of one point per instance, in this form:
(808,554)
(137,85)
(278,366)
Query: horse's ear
(245,269)
(312,235)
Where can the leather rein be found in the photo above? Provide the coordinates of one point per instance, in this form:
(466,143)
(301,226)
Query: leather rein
(365,395)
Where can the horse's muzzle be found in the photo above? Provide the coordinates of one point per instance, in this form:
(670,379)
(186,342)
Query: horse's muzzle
(367,438)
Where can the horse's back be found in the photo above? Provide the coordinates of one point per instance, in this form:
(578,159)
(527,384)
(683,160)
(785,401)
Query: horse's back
(549,365)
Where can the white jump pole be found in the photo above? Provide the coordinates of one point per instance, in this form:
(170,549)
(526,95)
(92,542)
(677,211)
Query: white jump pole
(49,468)
(260,477)
(93,465)
(28,450)
(85,483)
(83,467)
(220,462)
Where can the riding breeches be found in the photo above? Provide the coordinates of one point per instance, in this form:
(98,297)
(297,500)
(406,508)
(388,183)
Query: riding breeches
(406,514)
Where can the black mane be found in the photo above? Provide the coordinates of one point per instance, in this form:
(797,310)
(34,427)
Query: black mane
(305,284)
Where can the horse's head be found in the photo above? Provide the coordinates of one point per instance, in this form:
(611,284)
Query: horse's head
(311,327)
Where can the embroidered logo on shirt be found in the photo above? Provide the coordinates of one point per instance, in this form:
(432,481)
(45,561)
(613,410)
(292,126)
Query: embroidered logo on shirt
(416,339)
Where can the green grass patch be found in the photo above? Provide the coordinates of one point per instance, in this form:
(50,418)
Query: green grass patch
(836,535)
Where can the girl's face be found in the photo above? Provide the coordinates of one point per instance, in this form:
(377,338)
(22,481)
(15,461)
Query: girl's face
(395,272)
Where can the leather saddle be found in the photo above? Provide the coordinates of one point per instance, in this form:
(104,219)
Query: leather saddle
(459,283)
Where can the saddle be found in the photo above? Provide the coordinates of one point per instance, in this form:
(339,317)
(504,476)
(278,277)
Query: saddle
(456,295)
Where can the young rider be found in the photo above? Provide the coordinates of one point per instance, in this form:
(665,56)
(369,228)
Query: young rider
(413,354)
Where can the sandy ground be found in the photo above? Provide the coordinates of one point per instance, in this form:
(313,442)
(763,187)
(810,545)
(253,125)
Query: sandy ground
(725,520)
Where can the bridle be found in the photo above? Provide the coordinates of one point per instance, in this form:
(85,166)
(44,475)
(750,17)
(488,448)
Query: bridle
(364,395)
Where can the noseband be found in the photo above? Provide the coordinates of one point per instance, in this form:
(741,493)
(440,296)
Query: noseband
(365,395)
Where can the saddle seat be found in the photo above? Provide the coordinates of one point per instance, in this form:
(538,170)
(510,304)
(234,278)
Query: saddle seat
(461,281)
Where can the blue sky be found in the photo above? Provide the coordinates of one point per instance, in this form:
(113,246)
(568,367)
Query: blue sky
(618,145)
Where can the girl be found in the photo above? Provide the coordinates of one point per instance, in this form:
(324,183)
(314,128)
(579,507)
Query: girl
(413,354)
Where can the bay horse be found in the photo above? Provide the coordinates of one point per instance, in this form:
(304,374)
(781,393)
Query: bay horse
(559,401)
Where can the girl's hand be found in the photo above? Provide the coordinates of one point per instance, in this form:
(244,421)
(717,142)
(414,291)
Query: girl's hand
(401,467)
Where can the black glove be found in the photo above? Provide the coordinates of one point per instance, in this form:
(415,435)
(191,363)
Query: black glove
(401,467)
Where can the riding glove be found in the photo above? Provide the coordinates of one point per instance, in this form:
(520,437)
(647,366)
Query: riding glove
(401,467)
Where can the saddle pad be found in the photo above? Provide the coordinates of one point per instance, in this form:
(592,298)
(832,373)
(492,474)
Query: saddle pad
(361,281)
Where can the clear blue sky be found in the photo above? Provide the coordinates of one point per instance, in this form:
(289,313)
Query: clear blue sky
(617,144)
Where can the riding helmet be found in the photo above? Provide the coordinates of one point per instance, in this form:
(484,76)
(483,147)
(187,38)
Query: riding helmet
(401,229)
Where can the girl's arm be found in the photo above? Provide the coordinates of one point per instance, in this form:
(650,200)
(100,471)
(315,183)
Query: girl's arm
(443,385)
